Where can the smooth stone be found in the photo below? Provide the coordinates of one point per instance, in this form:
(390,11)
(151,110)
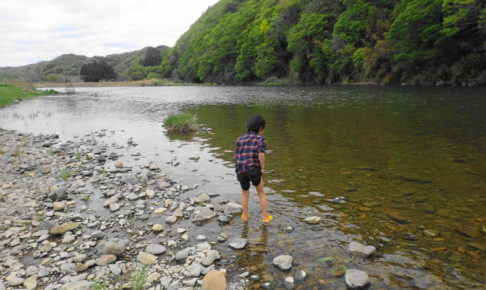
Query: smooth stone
(201,238)
(300,275)
(115,269)
(366,251)
(211,256)
(113,248)
(283,262)
(160,210)
(289,283)
(194,270)
(254,278)
(313,220)
(147,258)
(356,279)
(77,285)
(203,214)
(225,218)
(119,164)
(171,220)
(238,243)
(105,260)
(58,205)
(81,267)
(182,255)
(397,217)
(223,237)
(109,201)
(202,198)
(157,228)
(477,246)
(155,249)
(59,194)
(61,229)
(114,206)
(14,280)
(232,208)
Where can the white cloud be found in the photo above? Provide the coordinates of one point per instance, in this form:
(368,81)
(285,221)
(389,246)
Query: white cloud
(44,29)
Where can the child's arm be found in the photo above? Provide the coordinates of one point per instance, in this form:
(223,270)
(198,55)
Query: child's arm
(261,158)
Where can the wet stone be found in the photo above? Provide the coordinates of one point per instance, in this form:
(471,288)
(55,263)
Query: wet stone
(283,262)
(289,283)
(238,243)
(300,275)
(356,279)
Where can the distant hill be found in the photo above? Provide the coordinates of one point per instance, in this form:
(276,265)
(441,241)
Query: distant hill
(67,66)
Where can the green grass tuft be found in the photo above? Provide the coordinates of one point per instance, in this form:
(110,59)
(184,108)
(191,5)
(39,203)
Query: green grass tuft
(181,123)
(65,174)
(138,278)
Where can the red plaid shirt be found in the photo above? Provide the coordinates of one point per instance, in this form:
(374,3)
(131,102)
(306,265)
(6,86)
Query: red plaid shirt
(246,152)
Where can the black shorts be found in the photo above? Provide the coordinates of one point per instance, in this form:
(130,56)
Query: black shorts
(254,175)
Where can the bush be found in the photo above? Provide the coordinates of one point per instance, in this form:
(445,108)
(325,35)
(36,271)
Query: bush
(181,123)
(152,75)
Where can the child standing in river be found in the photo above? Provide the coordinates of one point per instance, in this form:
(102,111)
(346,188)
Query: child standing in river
(249,159)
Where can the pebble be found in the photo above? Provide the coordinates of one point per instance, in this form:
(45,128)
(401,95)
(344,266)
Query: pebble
(147,258)
(155,249)
(313,220)
(157,228)
(238,243)
(357,248)
(171,220)
(105,260)
(283,262)
(356,279)
(289,283)
(300,275)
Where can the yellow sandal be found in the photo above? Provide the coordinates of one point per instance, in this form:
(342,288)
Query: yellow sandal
(245,218)
(267,219)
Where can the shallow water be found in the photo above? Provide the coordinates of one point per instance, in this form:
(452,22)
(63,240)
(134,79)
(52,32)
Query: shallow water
(406,159)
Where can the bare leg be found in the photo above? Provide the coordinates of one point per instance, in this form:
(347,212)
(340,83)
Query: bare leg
(245,194)
(263,199)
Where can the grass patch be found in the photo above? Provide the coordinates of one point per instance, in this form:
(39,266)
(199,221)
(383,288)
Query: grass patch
(181,123)
(138,278)
(13,90)
(77,156)
(65,174)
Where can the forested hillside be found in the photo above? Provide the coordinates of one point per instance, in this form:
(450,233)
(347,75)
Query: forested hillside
(67,67)
(440,42)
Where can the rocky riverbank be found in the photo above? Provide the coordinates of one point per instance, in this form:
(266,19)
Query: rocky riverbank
(73,217)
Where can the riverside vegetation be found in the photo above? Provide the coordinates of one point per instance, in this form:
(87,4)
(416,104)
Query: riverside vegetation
(413,42)
(12,91)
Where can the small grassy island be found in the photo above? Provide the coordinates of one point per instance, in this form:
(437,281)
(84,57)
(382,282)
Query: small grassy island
(181,123)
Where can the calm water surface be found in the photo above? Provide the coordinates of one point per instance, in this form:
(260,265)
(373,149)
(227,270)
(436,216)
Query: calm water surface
(411,163)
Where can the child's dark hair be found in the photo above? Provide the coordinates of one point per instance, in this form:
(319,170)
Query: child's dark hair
(255,123)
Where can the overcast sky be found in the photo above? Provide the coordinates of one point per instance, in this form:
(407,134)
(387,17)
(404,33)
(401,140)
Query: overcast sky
(37,30)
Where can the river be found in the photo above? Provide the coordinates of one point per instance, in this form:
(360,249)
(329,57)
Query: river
(410,163)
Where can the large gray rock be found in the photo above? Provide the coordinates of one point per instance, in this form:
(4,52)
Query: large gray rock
(58,194)
(113,248)
(155,249)
(283,262)
(211,256)
(357,248)
(202,198)
(194,270)
(356,279)
(232,208)
(203,214)
(182,255)
(238,243)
